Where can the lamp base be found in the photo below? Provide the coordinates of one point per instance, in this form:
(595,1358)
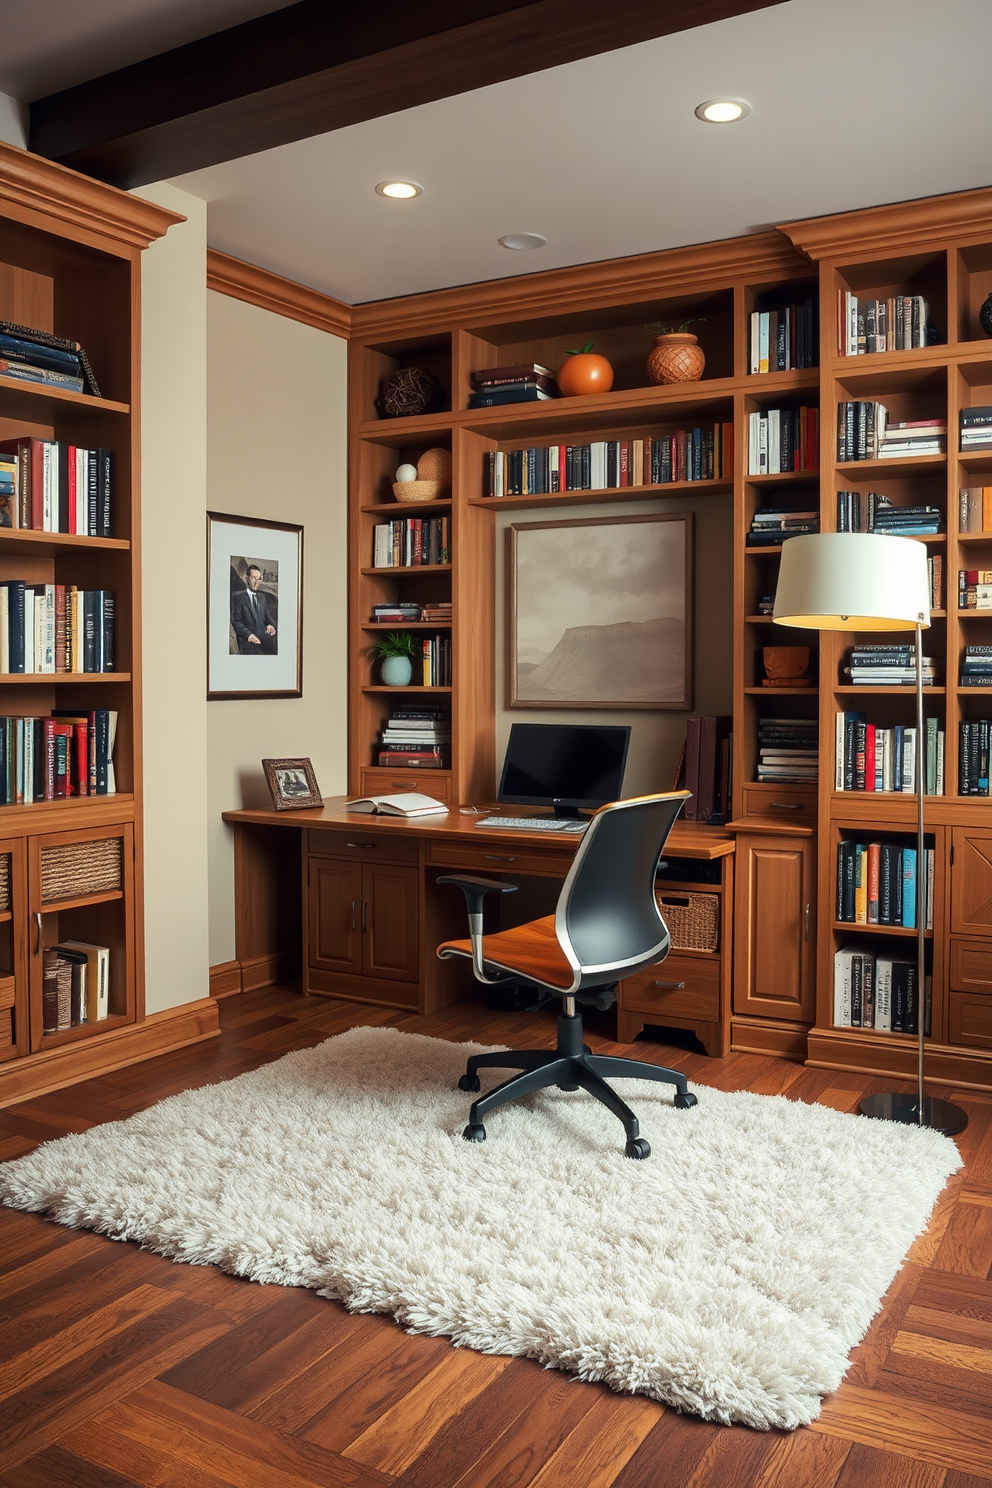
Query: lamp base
(936,1115)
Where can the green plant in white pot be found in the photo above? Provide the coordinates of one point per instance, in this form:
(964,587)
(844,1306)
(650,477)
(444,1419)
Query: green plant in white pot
(396,652)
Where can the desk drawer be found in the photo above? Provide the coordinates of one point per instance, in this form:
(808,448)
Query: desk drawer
(383,782)
(374,846)
(791,805)
(969,1020)
(487,857)
(971,966)
(684,986)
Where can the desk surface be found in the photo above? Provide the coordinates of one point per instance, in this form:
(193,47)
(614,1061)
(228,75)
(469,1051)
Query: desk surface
(687,839)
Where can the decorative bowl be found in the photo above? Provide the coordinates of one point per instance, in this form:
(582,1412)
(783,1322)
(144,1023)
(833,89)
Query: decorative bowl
(418,490)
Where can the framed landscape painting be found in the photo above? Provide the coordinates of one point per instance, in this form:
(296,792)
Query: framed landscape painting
(254,608)
(601,613)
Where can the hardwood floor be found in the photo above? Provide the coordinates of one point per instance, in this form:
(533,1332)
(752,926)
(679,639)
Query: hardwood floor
(118,1367)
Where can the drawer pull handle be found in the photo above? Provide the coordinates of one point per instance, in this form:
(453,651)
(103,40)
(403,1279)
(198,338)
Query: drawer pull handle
(674,900)
(500,858)
(675,986)
(37,921)
(354,906)
(786,806)
(362,844)
(807,922)
(365,917)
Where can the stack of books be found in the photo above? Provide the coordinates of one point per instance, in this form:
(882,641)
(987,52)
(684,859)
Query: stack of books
(976,666)
(75,985)
(417,737)
(50,485)
(976,429)
(975,588)
(36,356)
(975,509)
(705,769)
(865,432)
(55,628)
(396,613)
(66,754)
(788,750)
(876,884)
(773,524)
(436,657)
(783,338)
(871,758)
(437,612)
(873,991)
(895,324)
(526,382)
(410,542)
(702,453)
(891,665)
(974,738)
(783,439)
(870,511)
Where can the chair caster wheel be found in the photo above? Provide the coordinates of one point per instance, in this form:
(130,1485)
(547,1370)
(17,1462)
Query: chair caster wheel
(469,1082)
(566,1087)
(474,1132)
(685,1100)
(637,1148)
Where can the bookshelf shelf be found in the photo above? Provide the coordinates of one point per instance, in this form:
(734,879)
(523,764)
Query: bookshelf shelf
(611,493)
(54,542)
(780,692)
(404,570)
(786,478)
(374,626)
(857,927)
(880,469)
(973,537)
(40,403)
(56,679)
(83,1031)
(406,687)
(979,461)
(404,508)
(900,689)
(82,901)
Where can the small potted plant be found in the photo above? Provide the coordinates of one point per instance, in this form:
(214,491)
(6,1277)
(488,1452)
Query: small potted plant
(676,355)
(584,371)
(396,652)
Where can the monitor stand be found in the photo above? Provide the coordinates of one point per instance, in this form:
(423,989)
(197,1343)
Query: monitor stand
(567,809)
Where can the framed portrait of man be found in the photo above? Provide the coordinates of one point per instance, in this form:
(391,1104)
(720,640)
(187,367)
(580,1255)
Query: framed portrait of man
(254,608)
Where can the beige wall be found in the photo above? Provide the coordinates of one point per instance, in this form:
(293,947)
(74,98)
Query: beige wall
(173,498)
(276,448)
(656,738)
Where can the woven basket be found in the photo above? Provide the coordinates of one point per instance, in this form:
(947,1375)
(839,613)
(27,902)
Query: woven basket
(693,920)
(78,869)
(4,880)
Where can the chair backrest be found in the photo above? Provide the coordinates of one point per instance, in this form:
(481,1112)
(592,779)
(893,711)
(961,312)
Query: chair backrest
(607,919)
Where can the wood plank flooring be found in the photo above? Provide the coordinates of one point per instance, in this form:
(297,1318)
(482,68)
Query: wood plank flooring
(120,1368)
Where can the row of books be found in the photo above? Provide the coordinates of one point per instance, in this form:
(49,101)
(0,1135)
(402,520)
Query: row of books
(437,612)
(435,661)
(976,666)
(75,985)
(865,432)
(416,737)
(702,453)
(974,737)
(892,665)
(784,338)
(975,509)
(872,991)
(976,428)
(975,588)
(65,754)
(871,511)
(869,325)
(55,628)
(37,356)
(773,524)
(411,542)
(705,769)
(526,382)
(869,757)
(50,485)
(788,750)
(877,884)
(783,439)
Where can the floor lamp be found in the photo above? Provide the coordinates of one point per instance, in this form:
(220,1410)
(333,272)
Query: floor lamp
(860,581)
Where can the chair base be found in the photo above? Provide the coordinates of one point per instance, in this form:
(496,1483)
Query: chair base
(570,1066)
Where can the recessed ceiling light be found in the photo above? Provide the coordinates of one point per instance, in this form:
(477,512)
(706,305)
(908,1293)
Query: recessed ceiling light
(399,190)
(523,240)
(723,110)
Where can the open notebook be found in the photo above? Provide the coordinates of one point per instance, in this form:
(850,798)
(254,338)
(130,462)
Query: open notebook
(406,803)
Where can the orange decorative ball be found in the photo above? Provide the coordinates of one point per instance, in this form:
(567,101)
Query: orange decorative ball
(584,372)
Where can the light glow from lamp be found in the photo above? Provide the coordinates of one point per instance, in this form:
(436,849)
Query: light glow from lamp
(399,190)
(722,110)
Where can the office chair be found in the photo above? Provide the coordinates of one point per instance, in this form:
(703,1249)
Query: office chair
(607,925)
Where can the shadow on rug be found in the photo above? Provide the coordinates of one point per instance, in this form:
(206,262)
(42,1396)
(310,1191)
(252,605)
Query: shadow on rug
(729,1275)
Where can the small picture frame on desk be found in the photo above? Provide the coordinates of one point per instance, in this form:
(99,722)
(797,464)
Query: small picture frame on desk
(292,784)
(254,608)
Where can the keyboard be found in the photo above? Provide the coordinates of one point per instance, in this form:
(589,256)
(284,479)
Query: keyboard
(536,823)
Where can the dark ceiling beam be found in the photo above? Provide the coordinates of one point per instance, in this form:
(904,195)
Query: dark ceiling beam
(317,66)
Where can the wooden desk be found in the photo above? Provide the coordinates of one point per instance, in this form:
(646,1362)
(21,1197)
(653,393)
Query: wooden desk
(372,917)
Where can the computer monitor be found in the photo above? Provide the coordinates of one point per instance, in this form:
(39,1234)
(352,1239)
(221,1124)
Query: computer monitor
(564,765)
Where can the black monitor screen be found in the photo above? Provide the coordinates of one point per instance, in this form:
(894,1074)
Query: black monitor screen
(572,764)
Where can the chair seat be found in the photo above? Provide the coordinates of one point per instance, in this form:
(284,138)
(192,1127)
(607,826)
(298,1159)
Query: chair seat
(527,950)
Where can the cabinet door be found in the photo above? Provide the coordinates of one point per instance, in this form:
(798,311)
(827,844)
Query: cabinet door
(334,909)
(775,931)
(391,910)
(971,881)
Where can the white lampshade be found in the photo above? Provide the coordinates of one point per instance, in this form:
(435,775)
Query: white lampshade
(853,581)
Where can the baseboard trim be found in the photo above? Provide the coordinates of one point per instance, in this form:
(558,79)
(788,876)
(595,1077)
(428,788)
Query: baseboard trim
(265,971)
(159,1033)
(770,1039)
(225,979)
(868,1053)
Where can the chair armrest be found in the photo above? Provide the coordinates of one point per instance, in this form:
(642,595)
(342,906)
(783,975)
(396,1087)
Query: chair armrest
(475,891)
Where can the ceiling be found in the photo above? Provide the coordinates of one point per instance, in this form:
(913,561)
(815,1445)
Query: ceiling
(856,102)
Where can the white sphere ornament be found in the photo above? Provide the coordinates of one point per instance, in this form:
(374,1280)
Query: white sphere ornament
(405,473)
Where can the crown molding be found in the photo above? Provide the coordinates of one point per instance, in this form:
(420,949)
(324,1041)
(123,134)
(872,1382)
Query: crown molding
(643,277)
(245,281)
(909,224)
(34,187)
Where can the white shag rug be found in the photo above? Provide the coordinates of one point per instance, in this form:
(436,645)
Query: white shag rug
(728,1275)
